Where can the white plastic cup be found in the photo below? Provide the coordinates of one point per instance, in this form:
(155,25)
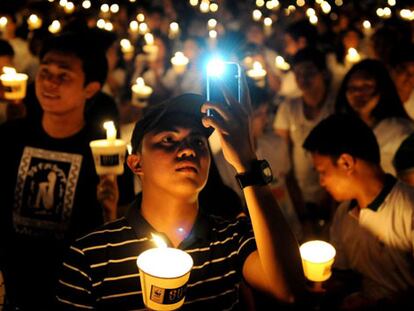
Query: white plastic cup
(317,259)
(14,87)
(108,156)
(164,273)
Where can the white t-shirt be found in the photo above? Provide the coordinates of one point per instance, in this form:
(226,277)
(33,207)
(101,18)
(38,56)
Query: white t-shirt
(390,133)
(290,116)
(380,244)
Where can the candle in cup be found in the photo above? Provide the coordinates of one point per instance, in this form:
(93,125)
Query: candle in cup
(54,27)
(14,83)
(281,63)
(34,22)
(140,92)
(109,153)
(150,48)
(352,56)
(127,49)
(167,270)
(317,259)
(174,30)
(179,62)
(257,73)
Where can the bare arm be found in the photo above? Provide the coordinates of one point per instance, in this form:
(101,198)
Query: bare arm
(276,266)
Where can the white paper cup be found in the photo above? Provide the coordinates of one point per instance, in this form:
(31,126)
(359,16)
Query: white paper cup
(109,156)
(317,259)
(14,88)
(140,95)
(164,273)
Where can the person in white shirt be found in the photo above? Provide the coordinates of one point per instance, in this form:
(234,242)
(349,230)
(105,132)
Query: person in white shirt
(372,230)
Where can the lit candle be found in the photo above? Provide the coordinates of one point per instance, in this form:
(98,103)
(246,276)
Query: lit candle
(257,15)
(109,126)
(69,8)
(179,62)
(367,27)
(212,38)
(281,64)
(174,30)
(127,49)
(352,56)
(204,6)
(257,73)
(317,259)
(212,23)
(34,22)
(3,22)
(14,84)
(109,154)
(267,22)
(168,269)
(140,92)
(140,17)
(54,27)
(150,48)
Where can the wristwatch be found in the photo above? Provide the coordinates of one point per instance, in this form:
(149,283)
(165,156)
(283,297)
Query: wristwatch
(260,174)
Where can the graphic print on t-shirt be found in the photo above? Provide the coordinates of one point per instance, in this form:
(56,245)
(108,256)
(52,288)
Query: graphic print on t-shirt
(45,191)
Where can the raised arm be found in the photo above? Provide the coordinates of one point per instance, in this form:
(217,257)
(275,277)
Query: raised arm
(276,266)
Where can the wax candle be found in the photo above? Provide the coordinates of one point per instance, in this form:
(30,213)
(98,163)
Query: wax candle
(54,27)
(167,269)
(281,64)
(174,30)
(317,259)
(352,56)
(34,22)
(127,49)
(179,62)
(257,73)
(140,92)
(14,84)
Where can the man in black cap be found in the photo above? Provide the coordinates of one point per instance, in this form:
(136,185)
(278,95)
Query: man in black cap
(171,157)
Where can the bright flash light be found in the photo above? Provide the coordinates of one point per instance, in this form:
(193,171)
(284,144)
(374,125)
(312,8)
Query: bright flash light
(215,67)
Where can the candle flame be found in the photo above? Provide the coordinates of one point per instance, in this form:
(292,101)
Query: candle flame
(9,70)
(159,241)
(109,126)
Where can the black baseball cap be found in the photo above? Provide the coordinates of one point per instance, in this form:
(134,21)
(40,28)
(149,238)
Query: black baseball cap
(173,111)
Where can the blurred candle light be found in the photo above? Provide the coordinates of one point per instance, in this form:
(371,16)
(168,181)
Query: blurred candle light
(14,84)
(212,23)
(174,30)
(143,28)
(313,19)
(62,3)
(140,17)
(133,26)
(34,22)
(105,8)
(257,15)
(86,4)
(140,92)
(204,6)
(114,8)
(3,23)
(193,2)
(352,56)
(212,38)
(179,62)
(127,49)
(214,7)
(267,22)
(260,3)
(257,73)
(100,23)
(281,64)
(69,8)
(109,26)
(54,27)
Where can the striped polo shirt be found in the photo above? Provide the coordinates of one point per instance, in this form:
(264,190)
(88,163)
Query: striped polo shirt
(100,271)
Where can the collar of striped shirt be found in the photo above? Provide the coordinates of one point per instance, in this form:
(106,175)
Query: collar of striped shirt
(200,231)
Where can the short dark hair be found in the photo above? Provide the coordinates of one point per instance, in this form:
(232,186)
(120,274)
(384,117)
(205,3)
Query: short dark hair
(343,133)
(80,44)
(311,55)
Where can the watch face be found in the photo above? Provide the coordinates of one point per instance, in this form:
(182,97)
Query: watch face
(266,171)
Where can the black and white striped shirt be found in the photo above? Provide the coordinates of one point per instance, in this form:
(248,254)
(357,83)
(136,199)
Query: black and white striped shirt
(100,272)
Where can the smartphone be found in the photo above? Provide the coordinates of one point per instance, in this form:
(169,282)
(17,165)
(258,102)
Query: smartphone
(229,74)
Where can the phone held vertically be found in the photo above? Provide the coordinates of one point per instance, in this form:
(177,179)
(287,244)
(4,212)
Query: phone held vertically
(227,74)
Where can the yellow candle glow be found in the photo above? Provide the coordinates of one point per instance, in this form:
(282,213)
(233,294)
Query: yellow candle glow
(352,56)
(14,84)
(169,270)
(317,259)
(281,63)
(140,92)
(34,22)
(3,22)
(69,8)
(212,23)
(127,49)
(257,15)
(54,27)
(179,62)
(257,72)
(109,126)
(140,17)
(174,30)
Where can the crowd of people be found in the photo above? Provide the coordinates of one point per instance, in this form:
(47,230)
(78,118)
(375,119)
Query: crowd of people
(332,118)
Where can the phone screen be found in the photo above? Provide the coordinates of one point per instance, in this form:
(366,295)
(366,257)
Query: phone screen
(230,77)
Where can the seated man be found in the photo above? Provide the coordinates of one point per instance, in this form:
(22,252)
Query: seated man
(373,227)
(170,155)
